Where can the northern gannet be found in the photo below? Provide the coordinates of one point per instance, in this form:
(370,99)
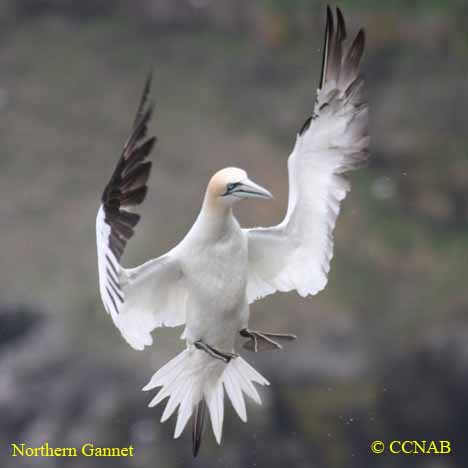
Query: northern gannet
(208,280)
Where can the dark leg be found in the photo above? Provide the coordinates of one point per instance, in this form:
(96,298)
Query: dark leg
(215,353)
(265,341)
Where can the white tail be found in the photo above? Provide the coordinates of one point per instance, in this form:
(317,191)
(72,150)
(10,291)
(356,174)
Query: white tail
(194,378)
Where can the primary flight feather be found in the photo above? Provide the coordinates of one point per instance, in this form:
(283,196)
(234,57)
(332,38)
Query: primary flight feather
(209,279)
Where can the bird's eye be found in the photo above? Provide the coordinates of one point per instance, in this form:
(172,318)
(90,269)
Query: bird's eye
(230,187)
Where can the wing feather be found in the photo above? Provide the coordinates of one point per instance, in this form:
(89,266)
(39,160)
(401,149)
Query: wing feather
(296,254)
(151,295)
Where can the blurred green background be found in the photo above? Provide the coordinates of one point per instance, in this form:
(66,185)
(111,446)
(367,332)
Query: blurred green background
(382,352)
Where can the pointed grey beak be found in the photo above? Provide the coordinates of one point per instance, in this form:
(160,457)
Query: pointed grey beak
(248,188)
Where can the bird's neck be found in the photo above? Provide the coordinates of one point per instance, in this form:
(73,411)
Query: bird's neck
(215,219)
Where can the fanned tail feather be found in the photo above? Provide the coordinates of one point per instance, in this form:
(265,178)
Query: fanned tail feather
(193,379)
(198,426)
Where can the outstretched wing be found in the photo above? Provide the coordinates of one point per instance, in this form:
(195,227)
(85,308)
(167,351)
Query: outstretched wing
(153,294)
(296,254)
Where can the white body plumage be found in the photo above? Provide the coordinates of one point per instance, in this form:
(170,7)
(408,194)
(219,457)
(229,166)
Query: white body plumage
(214,258)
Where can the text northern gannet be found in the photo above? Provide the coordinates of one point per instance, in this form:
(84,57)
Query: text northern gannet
(209,279)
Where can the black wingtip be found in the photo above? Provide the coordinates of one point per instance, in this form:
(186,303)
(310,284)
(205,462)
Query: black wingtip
(361,38)
(149,76)
(356,51)
(341,28)
(148,82)
(144,97)
(326,43)
(330,20)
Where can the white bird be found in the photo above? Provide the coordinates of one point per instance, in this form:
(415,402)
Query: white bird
(208,280)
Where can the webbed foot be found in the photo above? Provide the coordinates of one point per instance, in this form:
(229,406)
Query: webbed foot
(265,341)
(215,353)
